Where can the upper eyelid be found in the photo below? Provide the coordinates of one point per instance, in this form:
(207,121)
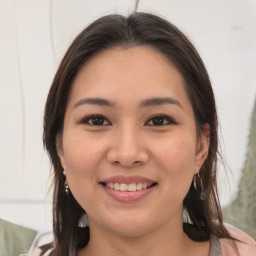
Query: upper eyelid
(87,118)
(160,115)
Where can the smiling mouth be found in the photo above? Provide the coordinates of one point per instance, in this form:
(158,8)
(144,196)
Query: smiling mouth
(131,187)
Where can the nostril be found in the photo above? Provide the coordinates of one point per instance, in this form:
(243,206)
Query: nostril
(126,163)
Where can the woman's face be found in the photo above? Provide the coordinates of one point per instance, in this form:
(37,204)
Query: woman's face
(129,141)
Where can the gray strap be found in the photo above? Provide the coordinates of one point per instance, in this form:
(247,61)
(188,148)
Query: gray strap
(215,249)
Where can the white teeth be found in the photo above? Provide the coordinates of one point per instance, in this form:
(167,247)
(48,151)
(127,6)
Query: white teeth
(123,187)
(132,187)
(144,185)
(139,186)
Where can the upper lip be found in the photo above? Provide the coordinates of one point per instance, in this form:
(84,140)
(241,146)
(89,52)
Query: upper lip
(127,179)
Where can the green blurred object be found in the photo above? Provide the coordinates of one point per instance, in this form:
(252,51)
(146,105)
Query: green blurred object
(242,211)
(15,239)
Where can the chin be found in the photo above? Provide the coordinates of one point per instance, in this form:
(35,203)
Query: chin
(130,231)
(130,226)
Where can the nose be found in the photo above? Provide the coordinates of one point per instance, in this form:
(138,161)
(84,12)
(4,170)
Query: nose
(127,149)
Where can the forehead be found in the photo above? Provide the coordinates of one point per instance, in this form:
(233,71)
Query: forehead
(123,73)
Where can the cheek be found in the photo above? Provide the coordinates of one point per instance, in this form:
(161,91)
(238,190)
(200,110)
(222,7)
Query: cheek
(177,154)
(82,157)
(176,159)
(81,154)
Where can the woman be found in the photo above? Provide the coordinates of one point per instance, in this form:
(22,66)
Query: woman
(131,130)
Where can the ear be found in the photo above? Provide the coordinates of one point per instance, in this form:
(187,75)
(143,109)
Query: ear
(59,149)
(202,146)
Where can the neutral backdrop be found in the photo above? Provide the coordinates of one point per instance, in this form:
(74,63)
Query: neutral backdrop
(34,35)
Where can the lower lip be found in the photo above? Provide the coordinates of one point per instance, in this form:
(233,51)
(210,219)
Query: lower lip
(128,196)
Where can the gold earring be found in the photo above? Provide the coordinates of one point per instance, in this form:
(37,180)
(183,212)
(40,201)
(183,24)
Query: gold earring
(202,194)
(66,187)
(198,171)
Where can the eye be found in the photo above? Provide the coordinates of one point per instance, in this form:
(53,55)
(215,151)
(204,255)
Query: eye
(97,120)
(160,120)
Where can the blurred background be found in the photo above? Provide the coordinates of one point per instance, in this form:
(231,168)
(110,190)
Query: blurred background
(34,35)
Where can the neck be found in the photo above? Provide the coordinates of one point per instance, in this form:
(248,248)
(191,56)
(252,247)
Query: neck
(169,240)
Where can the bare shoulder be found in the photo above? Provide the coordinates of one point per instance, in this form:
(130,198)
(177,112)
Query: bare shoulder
(246,246)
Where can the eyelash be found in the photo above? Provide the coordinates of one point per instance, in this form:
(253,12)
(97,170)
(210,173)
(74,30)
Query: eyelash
(169,120)
(89,118)
(166,118)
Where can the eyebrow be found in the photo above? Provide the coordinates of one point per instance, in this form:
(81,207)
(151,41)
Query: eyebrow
(159,101)
(95,101)
(146,103)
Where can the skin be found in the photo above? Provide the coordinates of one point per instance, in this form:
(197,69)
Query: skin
(129,143)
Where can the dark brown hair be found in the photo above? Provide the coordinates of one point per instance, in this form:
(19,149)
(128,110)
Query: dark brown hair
(138,29)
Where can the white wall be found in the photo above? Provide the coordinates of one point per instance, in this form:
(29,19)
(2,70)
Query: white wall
(33,38)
